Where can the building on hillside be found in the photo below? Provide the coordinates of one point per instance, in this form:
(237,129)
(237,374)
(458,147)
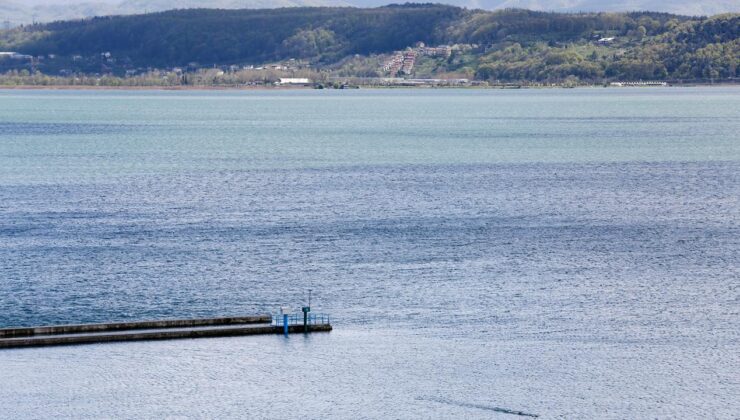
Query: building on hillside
(440,51)
(404,61)
(393,65)
(409,60)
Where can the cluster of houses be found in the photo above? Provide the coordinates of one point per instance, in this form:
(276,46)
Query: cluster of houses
(403,62)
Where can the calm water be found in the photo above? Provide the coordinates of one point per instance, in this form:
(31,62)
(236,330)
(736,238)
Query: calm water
(564,253)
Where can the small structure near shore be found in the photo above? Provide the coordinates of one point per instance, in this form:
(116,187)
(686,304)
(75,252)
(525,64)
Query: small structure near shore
(293,81)
(156,330)
(14,55)
(638,84)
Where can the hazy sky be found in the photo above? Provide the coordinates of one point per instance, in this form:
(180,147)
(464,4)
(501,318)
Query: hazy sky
(481,3)
(18,12)
(64,2)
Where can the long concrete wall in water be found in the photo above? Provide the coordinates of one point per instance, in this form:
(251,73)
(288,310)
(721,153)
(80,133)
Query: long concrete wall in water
(146,330)
(136,325)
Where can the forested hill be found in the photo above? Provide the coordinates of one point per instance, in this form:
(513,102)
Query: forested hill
(502,45)
(226,36)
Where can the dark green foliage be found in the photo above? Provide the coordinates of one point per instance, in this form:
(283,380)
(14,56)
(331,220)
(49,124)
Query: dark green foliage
(227,36)
(527,25)
(312,43)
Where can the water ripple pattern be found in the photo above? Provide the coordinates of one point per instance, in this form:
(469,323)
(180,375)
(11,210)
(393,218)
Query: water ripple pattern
(561,254)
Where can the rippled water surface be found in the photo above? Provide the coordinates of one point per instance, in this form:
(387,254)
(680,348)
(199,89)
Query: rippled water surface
(483,254)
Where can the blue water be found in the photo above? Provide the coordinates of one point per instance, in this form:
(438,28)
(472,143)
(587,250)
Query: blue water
(570,254)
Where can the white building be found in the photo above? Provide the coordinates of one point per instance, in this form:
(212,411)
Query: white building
(294,81)
(15,55)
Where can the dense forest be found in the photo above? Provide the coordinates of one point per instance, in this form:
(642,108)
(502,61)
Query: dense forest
(508,45)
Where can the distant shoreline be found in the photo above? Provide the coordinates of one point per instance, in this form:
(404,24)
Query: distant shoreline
(88,87)
(292,88)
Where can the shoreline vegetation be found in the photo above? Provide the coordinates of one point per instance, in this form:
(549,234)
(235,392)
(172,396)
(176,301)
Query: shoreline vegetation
(27,81)
(410,44)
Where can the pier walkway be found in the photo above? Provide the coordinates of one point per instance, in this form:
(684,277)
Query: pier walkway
(154,330)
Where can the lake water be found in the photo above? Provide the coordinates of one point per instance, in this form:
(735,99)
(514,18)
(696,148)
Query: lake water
(561,253)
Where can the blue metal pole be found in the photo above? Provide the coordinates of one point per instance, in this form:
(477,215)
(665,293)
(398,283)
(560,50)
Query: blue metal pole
(285,324)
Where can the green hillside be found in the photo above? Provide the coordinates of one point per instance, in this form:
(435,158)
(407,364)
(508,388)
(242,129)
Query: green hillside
(509,45)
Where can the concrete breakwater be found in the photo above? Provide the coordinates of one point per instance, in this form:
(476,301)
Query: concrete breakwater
(148,330)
